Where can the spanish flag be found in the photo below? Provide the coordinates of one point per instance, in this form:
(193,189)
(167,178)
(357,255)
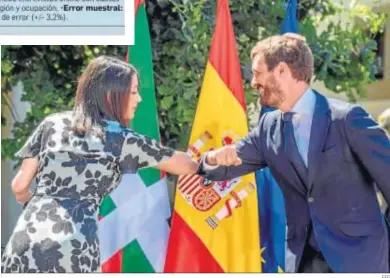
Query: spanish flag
(215,224)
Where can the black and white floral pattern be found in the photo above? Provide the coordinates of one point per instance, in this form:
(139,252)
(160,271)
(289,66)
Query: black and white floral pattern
(58,229)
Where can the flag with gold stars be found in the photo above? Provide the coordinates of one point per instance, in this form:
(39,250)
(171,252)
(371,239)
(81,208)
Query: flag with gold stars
(275,255)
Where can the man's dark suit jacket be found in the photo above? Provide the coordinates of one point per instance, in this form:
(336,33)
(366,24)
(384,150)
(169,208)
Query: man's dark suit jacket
(348,154)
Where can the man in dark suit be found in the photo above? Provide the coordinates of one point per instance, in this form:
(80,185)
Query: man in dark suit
(326,155)
(384,122)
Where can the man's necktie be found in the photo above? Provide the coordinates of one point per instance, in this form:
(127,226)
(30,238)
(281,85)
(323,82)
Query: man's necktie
(291,147)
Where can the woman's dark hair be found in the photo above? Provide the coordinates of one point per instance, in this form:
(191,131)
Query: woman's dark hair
(103,92)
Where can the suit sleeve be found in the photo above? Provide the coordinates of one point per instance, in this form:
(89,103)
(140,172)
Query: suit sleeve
(249,149)
(372,145)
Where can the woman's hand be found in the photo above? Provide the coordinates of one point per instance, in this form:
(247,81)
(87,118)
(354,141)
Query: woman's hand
(179,164)
(21,183)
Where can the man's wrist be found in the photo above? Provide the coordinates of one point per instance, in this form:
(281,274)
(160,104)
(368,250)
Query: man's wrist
(206,161)
(210,160)
(207,165)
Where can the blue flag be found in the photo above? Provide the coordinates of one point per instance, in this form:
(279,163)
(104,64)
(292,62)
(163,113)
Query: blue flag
(272,212)
(290,23)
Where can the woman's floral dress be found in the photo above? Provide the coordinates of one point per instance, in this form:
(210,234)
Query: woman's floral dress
(57,230)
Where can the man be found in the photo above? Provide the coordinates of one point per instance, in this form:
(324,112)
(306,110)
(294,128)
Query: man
(384,122)
(326,156)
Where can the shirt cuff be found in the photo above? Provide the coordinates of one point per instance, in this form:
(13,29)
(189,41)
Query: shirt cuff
(208,167)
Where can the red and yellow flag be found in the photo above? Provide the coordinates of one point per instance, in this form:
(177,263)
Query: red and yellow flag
(215,224)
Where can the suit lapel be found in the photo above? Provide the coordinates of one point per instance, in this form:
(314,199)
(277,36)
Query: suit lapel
(319,131)
(283,162)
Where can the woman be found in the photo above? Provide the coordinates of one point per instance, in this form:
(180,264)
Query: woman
(79,157)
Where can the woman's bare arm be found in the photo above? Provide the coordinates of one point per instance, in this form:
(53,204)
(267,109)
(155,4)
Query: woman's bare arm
(21,183)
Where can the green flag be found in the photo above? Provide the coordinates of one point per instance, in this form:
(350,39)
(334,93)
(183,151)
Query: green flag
(133,228)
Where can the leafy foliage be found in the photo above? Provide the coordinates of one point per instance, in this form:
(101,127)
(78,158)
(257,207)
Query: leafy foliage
(181,32)
(49,75)
(344,53)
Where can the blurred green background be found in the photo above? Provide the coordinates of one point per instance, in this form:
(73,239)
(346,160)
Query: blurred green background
(345,50)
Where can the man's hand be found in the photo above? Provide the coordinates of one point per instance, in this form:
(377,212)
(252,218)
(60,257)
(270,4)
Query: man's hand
(226,156)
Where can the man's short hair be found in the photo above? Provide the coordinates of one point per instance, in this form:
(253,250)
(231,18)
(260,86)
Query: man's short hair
(290,48)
